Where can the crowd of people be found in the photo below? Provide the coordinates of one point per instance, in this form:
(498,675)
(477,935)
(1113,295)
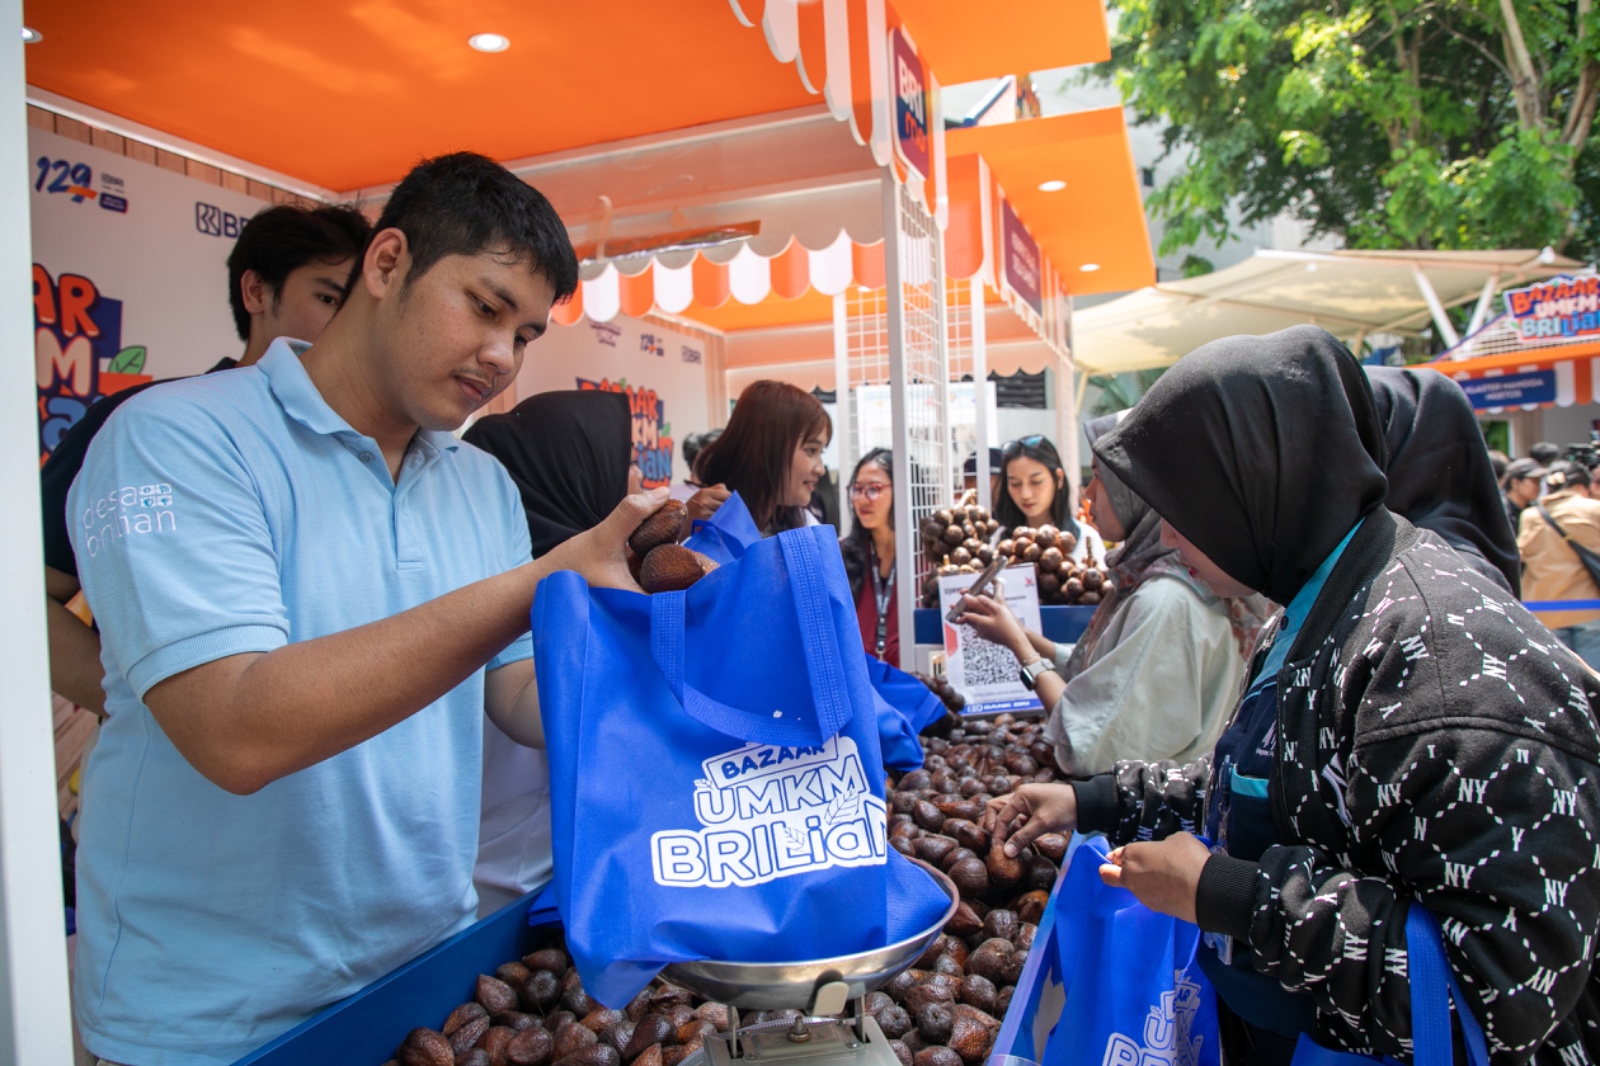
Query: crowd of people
(1555,517)
(321,746)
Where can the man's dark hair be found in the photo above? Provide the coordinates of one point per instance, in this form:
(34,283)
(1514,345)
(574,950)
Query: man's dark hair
(1544,453)
(467,204)
(280,240)
(694,443)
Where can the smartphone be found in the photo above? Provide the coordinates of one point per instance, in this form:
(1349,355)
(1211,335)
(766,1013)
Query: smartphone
(978,587)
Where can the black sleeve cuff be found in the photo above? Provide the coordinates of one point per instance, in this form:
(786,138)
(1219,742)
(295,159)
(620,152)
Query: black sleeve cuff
(1226,897)
(1097,804)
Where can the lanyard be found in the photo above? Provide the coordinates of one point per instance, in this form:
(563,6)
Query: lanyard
(881,591)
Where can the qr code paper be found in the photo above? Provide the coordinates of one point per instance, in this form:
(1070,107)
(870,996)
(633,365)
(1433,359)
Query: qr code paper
(985,662)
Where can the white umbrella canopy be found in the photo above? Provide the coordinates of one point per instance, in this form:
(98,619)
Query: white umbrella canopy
(1350,294)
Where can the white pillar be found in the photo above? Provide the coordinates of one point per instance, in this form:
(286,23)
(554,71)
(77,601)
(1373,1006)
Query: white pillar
(1441,321)
(34,1017)
(980,387)
(905,558)
(844,427)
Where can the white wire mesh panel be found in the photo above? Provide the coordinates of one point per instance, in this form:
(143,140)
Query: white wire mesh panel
(926,362)
(867,343)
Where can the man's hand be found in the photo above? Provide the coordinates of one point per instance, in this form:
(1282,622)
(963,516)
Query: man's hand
(1163,874)
(600,554)
(1039,809)
(705,503)
(992,620)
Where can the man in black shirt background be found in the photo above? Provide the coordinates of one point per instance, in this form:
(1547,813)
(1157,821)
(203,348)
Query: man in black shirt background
(286,277)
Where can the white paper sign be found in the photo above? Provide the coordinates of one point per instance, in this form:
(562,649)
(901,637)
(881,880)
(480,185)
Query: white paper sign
(987,674)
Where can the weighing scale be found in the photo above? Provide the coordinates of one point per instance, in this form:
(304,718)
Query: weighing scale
(821,988)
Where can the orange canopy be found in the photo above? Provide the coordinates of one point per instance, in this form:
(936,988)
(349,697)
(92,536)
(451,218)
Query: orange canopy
(350,95)
(1093,230)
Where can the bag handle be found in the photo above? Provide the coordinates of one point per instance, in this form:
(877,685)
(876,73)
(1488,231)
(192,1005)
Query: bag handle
(1433,986)
(819,642)
(1590,561)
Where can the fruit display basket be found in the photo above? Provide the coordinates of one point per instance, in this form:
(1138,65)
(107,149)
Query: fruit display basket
(1064,625)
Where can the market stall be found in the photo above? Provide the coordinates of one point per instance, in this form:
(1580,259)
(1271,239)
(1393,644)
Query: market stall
(1533,363)
(724,234)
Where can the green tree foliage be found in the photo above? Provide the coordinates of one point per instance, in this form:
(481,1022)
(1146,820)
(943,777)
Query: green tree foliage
(1388,123)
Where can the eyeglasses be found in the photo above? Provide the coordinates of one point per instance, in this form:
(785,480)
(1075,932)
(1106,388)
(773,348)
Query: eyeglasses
(1012,447)
(871,490)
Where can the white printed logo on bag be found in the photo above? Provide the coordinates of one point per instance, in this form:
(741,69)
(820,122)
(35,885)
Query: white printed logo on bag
(770,811)
(1166,1032)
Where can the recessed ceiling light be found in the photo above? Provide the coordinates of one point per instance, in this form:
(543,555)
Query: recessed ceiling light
(1052,186)
(31,35)
(1089,268)
(489,42)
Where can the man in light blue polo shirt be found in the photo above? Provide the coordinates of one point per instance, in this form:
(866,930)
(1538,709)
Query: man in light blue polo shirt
(300,577)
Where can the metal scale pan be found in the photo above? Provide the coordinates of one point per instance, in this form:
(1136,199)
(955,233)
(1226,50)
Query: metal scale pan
(820,987)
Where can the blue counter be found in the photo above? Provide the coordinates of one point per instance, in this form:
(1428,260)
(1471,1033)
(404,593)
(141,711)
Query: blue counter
(365,1029)
(1064,625)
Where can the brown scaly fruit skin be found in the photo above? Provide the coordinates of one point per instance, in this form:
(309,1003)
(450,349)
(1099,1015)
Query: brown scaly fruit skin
(663,527)
(672,568)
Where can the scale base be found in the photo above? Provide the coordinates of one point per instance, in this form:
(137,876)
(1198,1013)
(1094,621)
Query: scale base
(829,1043)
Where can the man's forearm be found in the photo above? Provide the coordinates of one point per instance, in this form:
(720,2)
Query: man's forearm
(75,669)
(248,720)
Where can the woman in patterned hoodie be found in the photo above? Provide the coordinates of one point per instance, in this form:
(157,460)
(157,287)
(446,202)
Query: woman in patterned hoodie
(1409,734)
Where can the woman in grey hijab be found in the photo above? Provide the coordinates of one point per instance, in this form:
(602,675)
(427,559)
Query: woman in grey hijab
(1158,669)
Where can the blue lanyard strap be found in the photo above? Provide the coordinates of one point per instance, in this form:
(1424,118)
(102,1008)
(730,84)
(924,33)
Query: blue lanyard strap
(1433,986)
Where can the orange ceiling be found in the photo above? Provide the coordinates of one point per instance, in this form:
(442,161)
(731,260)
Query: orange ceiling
(964,40)
(351,93)
(1098,218)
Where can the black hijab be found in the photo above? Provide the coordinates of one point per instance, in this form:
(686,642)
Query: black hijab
(1260,451)
(1440,477)
(568,453)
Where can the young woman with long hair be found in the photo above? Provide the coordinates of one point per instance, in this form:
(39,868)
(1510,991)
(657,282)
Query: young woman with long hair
(869,553)
(771,454)
(1033,492)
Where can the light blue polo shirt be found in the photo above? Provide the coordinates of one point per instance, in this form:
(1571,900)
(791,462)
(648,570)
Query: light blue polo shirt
(233,513)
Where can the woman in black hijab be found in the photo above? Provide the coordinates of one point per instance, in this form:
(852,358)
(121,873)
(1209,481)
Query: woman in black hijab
(569,454)
(1409,735)
(571,457)
(1440,474)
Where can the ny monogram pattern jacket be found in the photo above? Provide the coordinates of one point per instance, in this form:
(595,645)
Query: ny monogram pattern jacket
(1433,742)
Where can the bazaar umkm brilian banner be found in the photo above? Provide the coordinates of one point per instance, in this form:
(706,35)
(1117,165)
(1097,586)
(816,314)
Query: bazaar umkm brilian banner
(130,277)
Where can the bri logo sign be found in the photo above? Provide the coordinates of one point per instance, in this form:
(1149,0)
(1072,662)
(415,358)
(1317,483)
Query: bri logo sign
(652,436)
(78,352)
(910,104)
(1561,309)
(768,811)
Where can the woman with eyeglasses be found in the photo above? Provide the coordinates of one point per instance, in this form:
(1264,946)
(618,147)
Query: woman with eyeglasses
(869,554)
(1033,492)
(771,454)
(1408,735)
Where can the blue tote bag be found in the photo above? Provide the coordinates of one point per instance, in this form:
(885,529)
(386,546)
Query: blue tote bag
(905,708)
(1118,984)
(1132,985)
(716,785)
(727,533)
